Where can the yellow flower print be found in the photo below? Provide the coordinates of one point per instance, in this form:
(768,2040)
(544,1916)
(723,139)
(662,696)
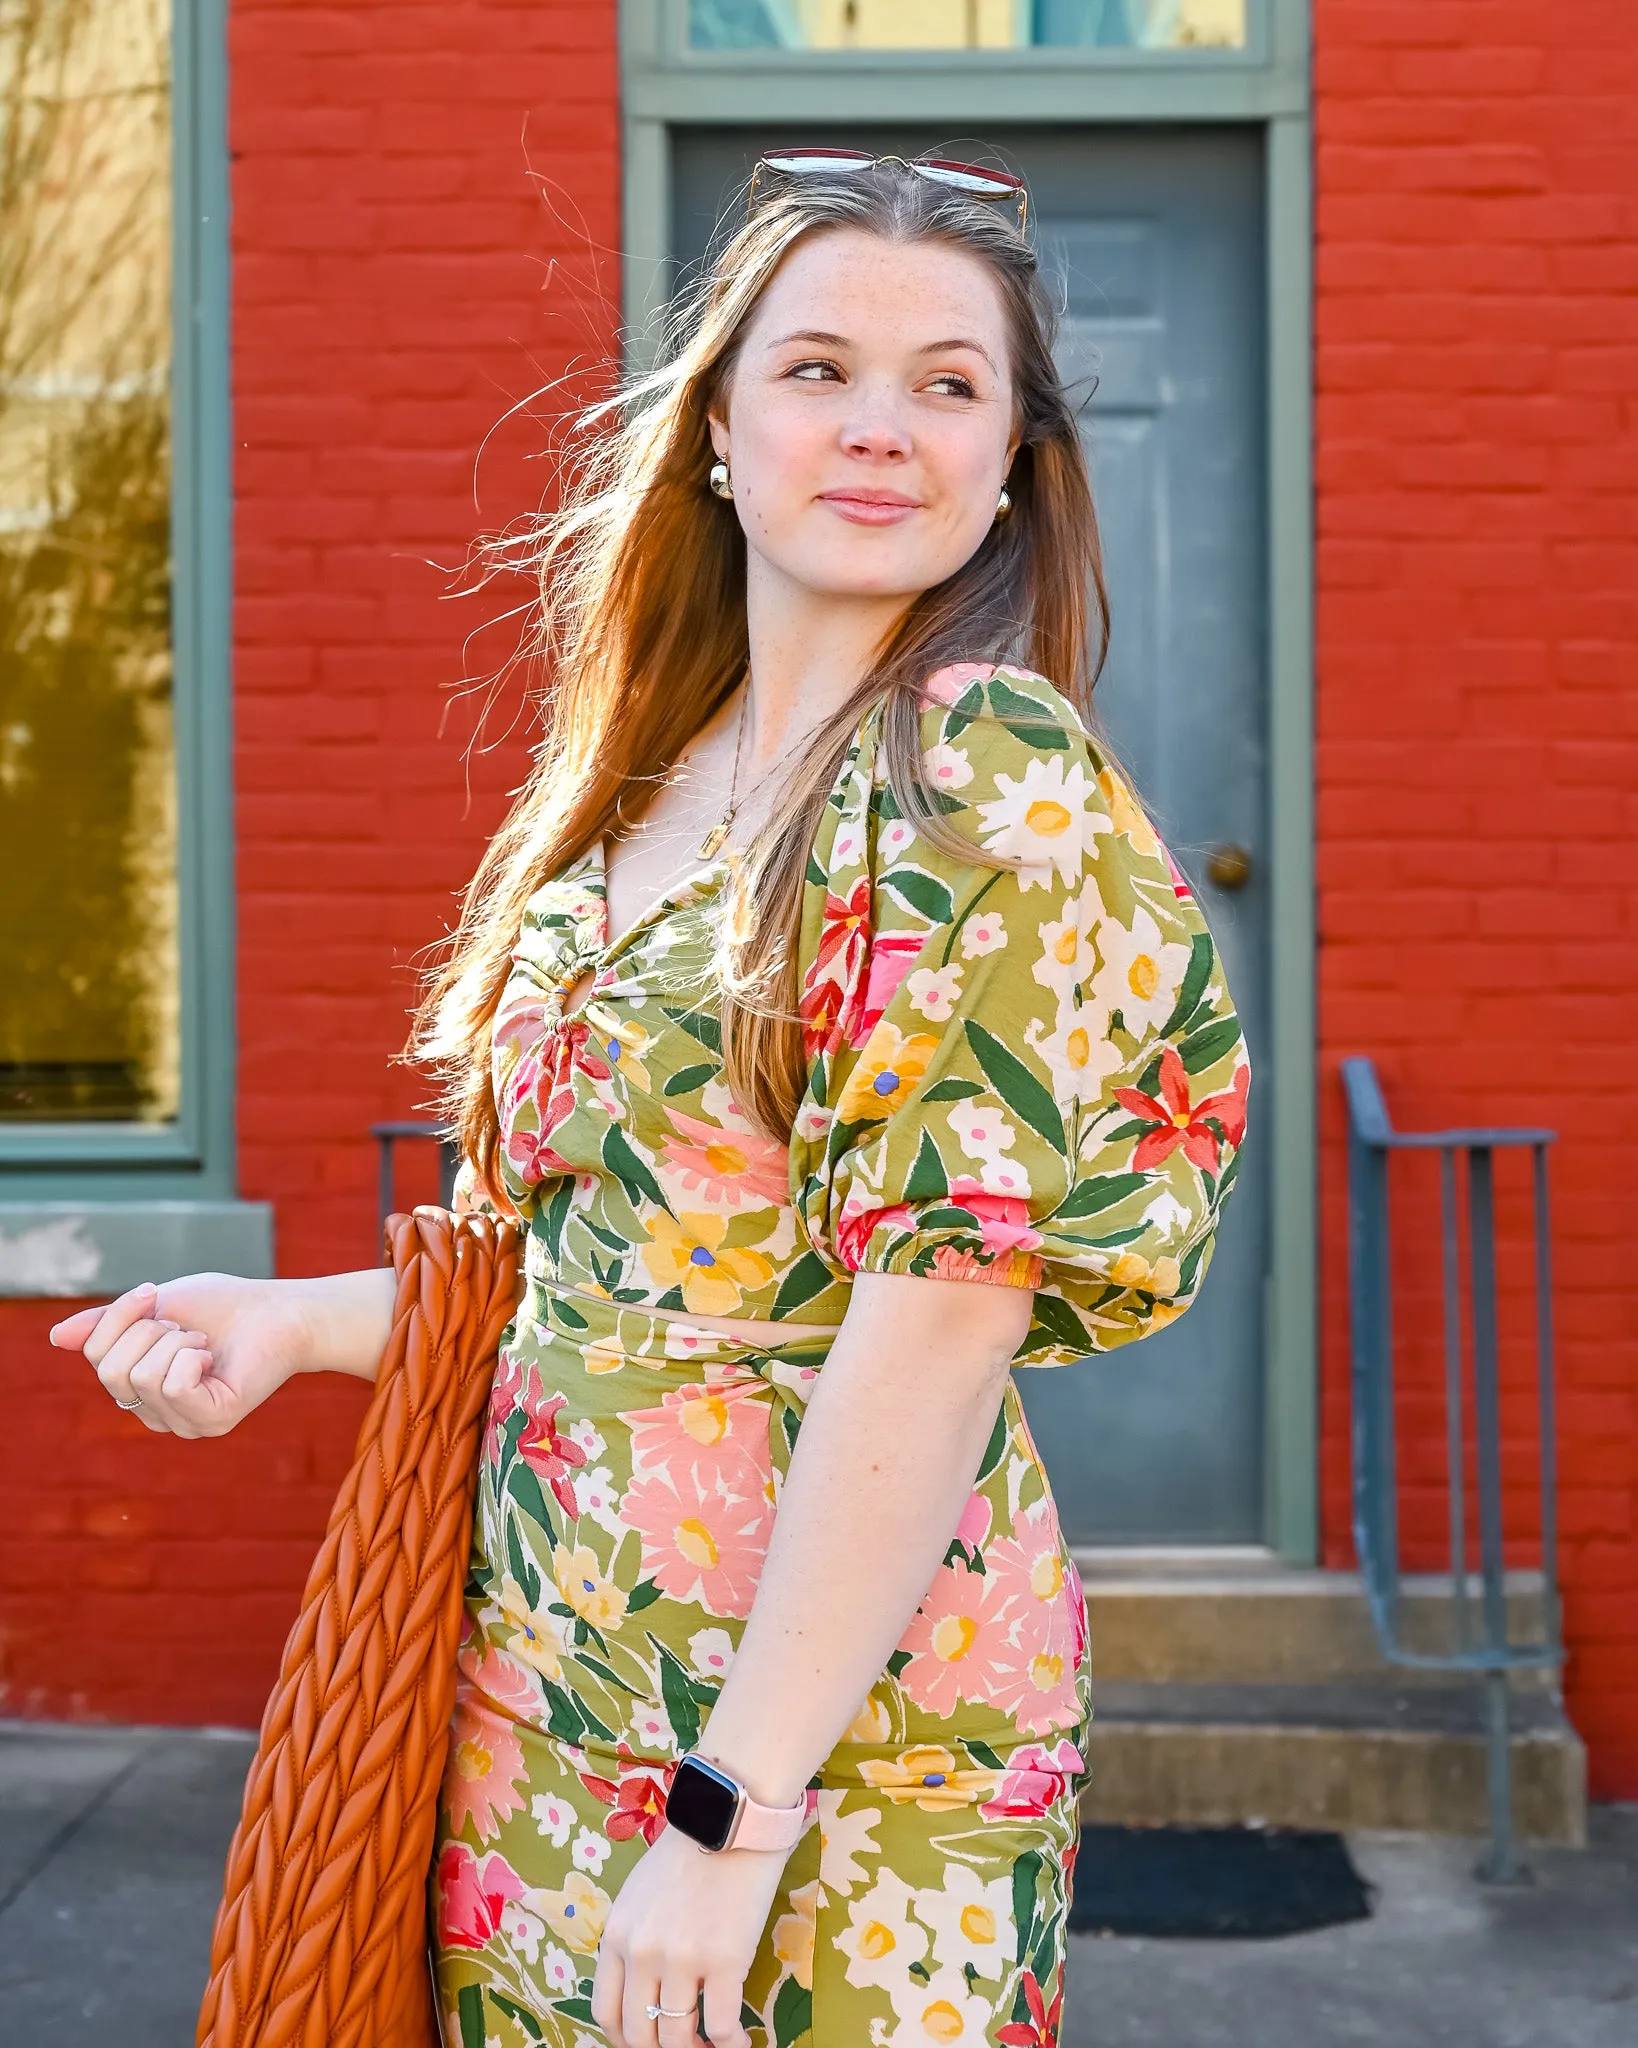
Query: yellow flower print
(871,1723)
(576,1915)
(688,1251)
(929,1776)
(622,1041)
(531,1637)
(602,1356)
(1132,1269)
(1127,814)
(793,1934)
(890,1068)
(580,1580)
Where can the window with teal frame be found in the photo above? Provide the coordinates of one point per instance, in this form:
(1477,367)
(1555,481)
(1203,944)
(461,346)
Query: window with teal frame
(801,25)
(116,913)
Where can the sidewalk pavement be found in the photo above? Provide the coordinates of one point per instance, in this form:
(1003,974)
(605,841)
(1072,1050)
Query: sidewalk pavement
(112,1842)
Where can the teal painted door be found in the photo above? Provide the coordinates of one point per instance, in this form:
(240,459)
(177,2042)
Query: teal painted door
(1154,238)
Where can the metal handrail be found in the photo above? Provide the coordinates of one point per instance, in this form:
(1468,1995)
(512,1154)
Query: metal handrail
(1490,1654)
(388,1135)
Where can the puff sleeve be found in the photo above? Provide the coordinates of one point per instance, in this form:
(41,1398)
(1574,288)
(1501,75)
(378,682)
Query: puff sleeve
(1025,1075)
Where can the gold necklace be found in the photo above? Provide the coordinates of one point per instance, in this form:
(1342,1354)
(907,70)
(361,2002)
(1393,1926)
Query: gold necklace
(712,844)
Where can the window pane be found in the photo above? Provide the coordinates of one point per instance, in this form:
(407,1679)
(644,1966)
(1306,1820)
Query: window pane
(88,907)
(966,24)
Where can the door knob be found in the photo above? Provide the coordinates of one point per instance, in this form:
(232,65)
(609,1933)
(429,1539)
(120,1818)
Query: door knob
(1229,865)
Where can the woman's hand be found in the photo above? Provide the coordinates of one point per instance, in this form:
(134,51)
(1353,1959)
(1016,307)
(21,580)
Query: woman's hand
(193,1357)
(684,1921)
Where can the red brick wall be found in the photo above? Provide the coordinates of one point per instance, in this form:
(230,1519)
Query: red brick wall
(1477,365)
(399,282)
(426,215)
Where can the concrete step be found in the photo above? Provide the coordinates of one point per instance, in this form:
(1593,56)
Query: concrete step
(1258,1695)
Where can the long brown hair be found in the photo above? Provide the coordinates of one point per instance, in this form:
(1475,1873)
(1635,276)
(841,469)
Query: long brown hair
(640,628)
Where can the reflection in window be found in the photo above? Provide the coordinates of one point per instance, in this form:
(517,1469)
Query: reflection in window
(88,904)
(966,24)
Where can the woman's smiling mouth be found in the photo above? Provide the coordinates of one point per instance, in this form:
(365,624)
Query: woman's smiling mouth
(866,507)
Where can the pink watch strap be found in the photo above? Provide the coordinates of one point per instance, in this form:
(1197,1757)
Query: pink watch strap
(771,1827)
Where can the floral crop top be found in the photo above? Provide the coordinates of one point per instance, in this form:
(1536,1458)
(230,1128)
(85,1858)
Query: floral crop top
(1028,1075)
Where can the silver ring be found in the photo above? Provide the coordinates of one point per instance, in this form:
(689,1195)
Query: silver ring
(137,1403)
(662,2012)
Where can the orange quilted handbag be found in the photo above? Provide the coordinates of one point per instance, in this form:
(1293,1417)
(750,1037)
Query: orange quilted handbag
(321,1937)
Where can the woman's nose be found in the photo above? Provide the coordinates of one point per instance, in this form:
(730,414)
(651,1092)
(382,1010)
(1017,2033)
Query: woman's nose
(876,428)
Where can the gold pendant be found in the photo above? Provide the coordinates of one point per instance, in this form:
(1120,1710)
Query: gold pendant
(711,845)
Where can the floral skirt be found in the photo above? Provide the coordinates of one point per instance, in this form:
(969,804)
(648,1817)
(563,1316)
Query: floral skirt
(630,1474)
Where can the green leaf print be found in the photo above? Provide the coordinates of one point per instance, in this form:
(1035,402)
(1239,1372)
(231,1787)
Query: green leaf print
(952,1090)
(928,1181)
(1102,1191)
(920,1972)
(1191,1265)
(982,1755)
(680,1709)
(518,2015)
(808,1277)
(570,1318)
(792,2013)
(557,1214)
(602,1671)
(469,2005)
(575,2009)
(698,1024)
(1195,977)
(689,1080)
(522,1570)
(1204,1048)
(562,1715)
(996,1449)
(924,893)
(629,1170)
(523,1483)
(1059,1320)
(1026,720)
(1016,1085)
(897,1662)
(643,1594)
(1026,1874)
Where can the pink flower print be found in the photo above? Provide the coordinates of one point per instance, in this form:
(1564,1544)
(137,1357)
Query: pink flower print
(638,1799)
(727,1166)
(716,1429)
(473,1892)
(485,1768)
(497,1681)
(1046,1641)
(700,1543)
(540,1095)
(505,1392)
(957,1641)
(1180,881)
(974,1525)
(855,1226)
(549,1454)
(1003,1220)
(945,685)
(892,955)
(1036,1779)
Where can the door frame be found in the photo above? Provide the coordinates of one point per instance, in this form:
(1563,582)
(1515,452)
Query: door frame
(666,86)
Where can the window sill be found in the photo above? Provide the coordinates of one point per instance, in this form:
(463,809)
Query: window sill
(77,1249)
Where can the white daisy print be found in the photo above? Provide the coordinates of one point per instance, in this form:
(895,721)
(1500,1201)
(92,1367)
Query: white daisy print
(1042,822)
(558,1969)
(896,839)
(1141,971)
(590,1852)
(843,1839)
(981,1131)
(1078,1050)
(554,1817)
(971,1920)
(711,1652)
(881,1941)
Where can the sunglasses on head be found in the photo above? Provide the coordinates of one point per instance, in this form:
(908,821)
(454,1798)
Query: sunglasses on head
(973,181)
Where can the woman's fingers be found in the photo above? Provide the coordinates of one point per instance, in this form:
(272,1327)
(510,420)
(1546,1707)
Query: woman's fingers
(608,1991)
(724,1995)
(126,1353)
(109,1324)
(202,1404)
(642,1990)
(71,1333)
(149,1374)
(679,2023)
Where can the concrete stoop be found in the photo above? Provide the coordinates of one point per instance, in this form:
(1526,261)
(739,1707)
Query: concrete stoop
(1259,1694)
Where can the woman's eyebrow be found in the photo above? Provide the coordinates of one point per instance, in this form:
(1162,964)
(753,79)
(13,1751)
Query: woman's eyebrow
(932,348)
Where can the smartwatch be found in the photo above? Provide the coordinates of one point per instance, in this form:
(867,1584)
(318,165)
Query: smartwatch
(714,1809)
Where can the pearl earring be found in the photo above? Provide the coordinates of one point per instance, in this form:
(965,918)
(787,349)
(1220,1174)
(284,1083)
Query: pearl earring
(722,484)
(1003,504)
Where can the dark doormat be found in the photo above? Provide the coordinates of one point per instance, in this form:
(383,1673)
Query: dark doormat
(1219,1883)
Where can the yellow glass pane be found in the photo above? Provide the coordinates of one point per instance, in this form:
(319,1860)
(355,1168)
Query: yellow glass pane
(88,903)
(967,24)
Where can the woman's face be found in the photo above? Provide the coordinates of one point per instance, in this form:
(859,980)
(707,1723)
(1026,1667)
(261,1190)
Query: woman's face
(868,420)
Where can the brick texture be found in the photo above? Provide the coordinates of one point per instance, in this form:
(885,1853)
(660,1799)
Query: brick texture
(1476,365)
(425,231)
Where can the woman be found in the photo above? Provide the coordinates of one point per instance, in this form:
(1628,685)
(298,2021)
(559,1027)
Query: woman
(831,1015)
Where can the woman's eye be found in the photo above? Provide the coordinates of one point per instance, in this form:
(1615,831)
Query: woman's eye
(953,384)
(815,370)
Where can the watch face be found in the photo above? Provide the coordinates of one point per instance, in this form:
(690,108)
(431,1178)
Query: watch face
(702,1802)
